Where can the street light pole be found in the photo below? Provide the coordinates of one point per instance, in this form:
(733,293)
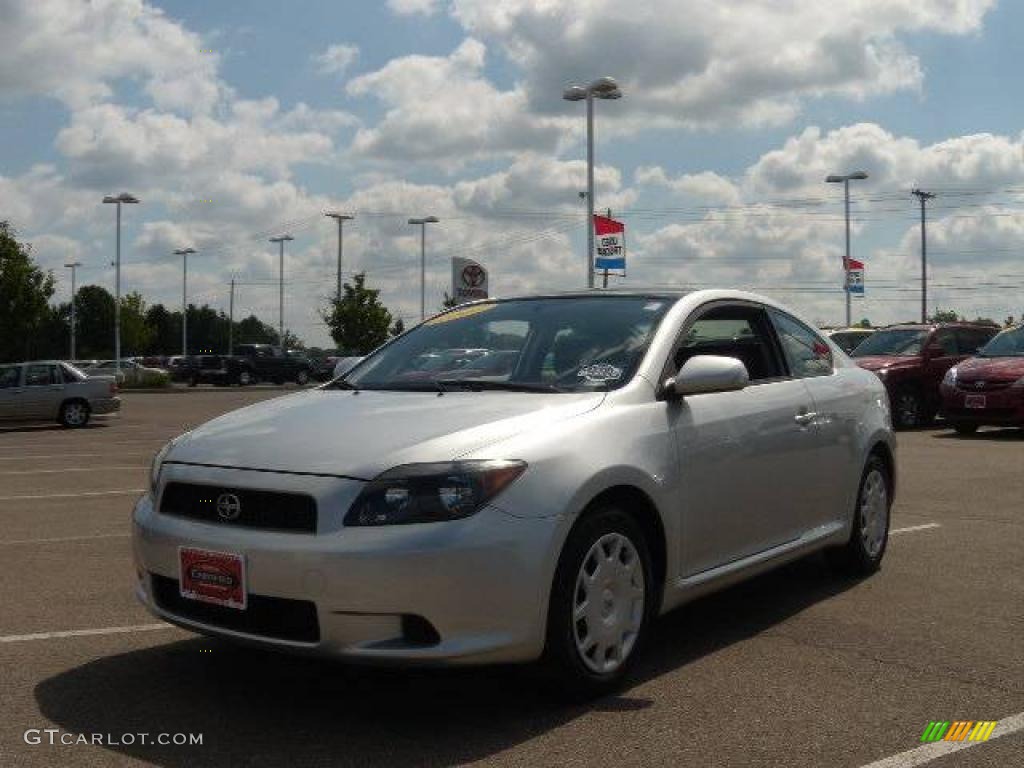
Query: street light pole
(342,218)
(845,180)
(231,320)
(924,197)
(123,198)
(184,252)
(423,260)
(73,266)
(602,88)
(280,240)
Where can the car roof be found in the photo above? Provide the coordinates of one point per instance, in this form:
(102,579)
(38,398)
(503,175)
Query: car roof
(935,326)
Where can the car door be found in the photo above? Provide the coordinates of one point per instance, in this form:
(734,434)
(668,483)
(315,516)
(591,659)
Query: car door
(10,393)
(741,454)
(832,431)
(43,391)
(941,353)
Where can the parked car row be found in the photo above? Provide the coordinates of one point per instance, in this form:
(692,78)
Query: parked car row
(250,363)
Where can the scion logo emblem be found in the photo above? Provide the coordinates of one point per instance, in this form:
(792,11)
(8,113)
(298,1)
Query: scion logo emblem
(229,507)
(979,385)
(473,275)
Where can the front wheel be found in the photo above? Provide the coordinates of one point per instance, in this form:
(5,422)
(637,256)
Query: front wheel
(863,552)
(74,414)
(244,378)
(302,378)
(601,602)
(907,408)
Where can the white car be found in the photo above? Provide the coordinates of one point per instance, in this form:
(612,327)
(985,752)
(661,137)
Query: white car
(645,449)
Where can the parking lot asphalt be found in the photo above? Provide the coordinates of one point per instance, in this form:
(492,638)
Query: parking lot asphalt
(795,668)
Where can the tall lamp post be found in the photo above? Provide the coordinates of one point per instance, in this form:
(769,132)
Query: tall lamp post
(184,253)
(341,219)
(125,199)
(423,260)
(602,88)
(845,181)
(281,240)
(73,266)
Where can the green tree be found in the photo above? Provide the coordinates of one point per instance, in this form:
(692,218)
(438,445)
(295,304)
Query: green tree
(398,328)
(135,333)
(165,327)
(944,316)
(449,301)
(864,323)
(95,317)
(25,292)
(252,330)
(359,322)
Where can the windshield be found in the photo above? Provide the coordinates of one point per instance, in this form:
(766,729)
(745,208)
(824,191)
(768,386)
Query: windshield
(1009,343)
(573,344)
(904,342)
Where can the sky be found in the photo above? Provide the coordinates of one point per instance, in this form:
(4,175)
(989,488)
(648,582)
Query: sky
(240,120)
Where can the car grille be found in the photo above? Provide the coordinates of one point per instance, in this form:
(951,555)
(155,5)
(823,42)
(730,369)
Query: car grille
(270,510)
(272,617)
(986,386)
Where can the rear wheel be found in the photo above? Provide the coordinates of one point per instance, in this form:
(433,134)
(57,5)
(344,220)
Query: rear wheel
(863,552)
(907,408)
(74,413)
(302,377)
(965,429)
(601,602)
(243,379)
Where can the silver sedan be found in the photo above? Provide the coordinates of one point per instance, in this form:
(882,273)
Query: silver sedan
(49,390)
(644,449)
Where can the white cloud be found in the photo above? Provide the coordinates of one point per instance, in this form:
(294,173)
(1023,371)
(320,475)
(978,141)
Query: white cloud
(699,63)
(705,187)
(336,59)
(443,110)
(410,7)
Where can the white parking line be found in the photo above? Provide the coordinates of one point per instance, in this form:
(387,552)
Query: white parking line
(929,752)
(71,469)
(66,538)
(122,492)
(912,528)
(27,456)
(84,633)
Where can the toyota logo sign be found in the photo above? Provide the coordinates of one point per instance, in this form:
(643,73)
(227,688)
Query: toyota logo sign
(229,507)
(473,276)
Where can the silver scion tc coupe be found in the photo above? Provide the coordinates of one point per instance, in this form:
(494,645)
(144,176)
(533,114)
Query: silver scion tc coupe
(643,449)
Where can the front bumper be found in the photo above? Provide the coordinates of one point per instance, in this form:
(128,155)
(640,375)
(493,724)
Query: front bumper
(1002,407)
(480,583)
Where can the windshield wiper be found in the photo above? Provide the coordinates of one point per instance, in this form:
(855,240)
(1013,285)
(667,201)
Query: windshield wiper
(479,385)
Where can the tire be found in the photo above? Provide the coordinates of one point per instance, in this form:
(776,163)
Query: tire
(580,625)
(965,429)
(907,408)
(302,377)
(74,414)
(243,378)
(863,552)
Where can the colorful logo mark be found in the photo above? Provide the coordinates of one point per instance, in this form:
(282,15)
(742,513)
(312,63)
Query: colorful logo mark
(958,730)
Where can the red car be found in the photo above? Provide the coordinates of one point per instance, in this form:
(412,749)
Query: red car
(911,360)
(987,390)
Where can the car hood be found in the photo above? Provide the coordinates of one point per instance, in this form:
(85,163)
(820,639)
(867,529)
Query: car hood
(991,369)
(877,362)
(338,432)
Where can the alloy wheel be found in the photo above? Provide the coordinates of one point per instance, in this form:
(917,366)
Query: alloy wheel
(874,512)
(74,414)
(608,603)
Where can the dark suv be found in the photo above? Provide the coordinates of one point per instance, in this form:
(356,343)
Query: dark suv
(911,360)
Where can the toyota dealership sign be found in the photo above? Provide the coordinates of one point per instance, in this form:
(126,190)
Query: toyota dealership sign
(469,280)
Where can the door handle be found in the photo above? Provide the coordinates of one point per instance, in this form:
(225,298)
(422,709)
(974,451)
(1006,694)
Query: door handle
(803,419)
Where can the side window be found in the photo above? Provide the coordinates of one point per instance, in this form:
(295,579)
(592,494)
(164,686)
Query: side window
(969,340)
(947,340)
(9,376)
(806,352)
(41,375)
(737,331)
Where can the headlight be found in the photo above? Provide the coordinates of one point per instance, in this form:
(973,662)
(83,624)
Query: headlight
(429,493)
(1018,384)
(882,373)
(158,460)
(950,378)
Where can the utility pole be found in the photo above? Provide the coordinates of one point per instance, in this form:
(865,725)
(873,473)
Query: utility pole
(923,197)
(342,218)
(423,260)
(126,199)
(845,181)
(73,266)
(184,252)
(602,88)
(280,240)
(231,319)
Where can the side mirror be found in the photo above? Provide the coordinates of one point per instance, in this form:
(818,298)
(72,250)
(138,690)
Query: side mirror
(707,373)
